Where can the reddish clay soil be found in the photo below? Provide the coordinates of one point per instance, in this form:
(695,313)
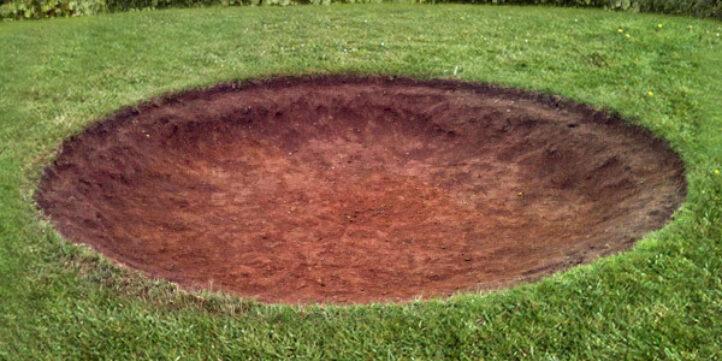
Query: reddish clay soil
(352,190)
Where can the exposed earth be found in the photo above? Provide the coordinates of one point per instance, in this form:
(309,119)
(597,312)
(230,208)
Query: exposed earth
(344,189)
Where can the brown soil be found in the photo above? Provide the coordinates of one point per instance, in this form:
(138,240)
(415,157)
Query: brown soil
(349,189)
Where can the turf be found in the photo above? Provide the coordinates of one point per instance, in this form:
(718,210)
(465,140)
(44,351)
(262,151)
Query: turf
(661,300)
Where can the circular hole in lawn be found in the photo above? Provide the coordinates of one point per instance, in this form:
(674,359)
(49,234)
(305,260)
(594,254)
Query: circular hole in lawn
(346,189)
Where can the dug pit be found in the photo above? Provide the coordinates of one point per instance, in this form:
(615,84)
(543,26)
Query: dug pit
(359,189)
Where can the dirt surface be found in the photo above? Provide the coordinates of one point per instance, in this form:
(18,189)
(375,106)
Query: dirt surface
(353,190)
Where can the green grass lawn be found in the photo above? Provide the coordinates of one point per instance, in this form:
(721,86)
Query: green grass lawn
(661,300)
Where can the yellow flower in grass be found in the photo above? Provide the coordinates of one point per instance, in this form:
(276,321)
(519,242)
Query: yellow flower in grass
(650,93)
(716,172)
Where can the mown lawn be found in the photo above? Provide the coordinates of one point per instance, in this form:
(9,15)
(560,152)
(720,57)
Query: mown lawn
(661,300)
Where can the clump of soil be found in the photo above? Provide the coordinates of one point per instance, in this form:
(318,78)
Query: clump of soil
(359,189)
